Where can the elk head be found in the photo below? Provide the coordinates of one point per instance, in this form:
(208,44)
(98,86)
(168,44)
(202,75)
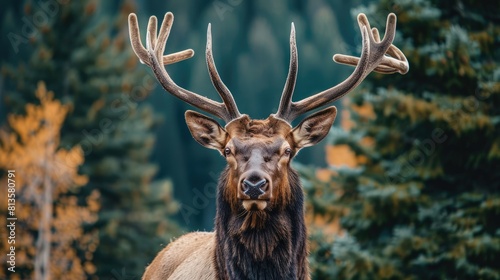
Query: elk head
(258,152)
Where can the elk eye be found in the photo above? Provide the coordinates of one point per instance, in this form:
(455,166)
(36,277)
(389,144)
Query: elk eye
(227,151)
(288,151)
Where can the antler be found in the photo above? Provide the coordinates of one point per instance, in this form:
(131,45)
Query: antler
(377,55)
(153,54)
(286,97)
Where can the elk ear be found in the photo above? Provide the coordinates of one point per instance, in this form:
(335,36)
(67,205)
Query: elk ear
(206,131)
(314,128)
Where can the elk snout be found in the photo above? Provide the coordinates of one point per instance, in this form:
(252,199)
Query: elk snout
(255,189)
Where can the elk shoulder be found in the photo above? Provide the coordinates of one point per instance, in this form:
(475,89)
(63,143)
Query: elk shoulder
(189,257)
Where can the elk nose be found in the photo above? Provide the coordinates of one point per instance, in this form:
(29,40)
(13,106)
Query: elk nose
(254,188)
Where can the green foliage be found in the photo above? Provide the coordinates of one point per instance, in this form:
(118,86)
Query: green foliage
(426,202)
(84,55)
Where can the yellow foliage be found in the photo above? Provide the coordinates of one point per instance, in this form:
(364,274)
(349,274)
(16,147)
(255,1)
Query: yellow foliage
(365,111)
(44,176)
(386,271)
(341,155)
(347,123)
(324,174)
(494,151)
(368,142)
(368,210)
(330,228)
(95,108)
(460,116)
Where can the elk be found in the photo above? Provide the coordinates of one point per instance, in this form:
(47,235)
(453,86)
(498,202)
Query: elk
(259,230)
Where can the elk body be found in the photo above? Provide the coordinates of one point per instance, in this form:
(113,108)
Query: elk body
(260,231)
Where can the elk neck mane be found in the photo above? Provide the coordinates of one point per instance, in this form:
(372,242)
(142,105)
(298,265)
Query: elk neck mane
(274,247)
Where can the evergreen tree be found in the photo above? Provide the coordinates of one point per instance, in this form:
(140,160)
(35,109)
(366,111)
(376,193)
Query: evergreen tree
(419,195)
(84,55)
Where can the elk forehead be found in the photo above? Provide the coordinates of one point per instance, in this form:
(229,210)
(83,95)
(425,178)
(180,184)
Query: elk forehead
(256,139)
(245,128)
(257,147)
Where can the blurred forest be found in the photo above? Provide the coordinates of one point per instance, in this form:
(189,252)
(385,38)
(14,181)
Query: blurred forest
(414,188)
(107,173)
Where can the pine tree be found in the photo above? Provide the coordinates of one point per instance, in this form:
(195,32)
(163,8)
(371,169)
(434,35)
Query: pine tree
(83,54)
(416,183)
(47,217)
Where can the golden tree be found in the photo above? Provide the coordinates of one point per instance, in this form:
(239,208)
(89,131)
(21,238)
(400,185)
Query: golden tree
(50,242)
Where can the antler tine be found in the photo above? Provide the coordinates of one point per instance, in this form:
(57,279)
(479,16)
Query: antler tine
(397,61)
(135,40)
(373,58)
(286,96)
(141,51)
(177,56)
(166,25)
(151,38)
(220,87)
(154,58)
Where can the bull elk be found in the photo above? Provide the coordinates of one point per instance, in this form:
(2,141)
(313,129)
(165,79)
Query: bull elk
(259,226)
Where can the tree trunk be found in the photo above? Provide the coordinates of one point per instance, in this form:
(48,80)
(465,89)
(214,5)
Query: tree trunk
(43,244)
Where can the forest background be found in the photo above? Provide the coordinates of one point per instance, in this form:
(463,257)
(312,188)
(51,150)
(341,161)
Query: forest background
(405,187)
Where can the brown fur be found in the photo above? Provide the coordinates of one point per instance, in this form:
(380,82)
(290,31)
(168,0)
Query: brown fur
(258,133)
(189,257)
(264,243)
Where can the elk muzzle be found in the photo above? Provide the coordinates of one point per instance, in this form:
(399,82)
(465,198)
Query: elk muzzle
(255,190)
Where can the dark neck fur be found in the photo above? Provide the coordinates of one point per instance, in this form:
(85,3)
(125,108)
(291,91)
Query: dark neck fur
(277,250)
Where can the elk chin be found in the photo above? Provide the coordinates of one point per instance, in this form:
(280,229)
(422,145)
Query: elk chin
(255,216)
(254,205)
